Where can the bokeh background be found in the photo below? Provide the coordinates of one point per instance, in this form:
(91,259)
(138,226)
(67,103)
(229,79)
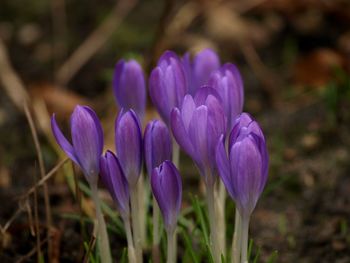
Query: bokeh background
(294,57)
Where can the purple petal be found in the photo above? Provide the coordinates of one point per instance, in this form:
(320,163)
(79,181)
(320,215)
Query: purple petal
(158,93)
(62,141)
(129,86)
(198,135)
(128,140)
(179,132)
(224,167)
(157,144)
(87,137)
(188,106)
(114,180)
(167,84)
(204,63)
(203,93)
(246,163)
(167,189)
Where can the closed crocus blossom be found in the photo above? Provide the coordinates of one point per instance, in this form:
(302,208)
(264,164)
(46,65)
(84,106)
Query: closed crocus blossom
(197,127)
(157,144)
(199,70)
(167,188)
(167,84)
(114,180)
(228,83)
(244,170)
(87,141)
(128,141)
(86,150)
(129,86)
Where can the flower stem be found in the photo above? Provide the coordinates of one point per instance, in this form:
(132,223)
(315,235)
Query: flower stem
(245,228)
(221,199)
(171,253)
(176,154)
(236,239)
(136,222)
(142,193)
(214,241)
(131,248)
(156,227)
(102,236)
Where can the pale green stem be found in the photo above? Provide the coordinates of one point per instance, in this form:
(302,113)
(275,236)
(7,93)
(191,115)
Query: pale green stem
(131,248)
(156,226)
(214,241)
(102,236)
(245,228)
(142,193)
(236,239)
(221,199)
(136,222)
(171,249)
(176,154)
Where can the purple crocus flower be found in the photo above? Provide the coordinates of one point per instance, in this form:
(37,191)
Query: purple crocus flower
(167,84)
(244,171)
(87,141)
(113,178)
(228,83)
(197,127)
(128,141)
(199,70)
(167,189)
(157,144)
(129,86)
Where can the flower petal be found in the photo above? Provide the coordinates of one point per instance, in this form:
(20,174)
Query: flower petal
(87,140)
(128,140)
(157,144)
(62,141)
(179,132)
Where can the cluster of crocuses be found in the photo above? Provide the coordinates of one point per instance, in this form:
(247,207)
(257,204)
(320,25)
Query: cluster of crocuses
(200,102)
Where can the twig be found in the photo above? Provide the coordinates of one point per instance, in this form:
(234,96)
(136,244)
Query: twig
(10,81)
(31,253)
(88,252)
(36,223)
(42,175)
(12,218)
(45,178)
(78,197)
(94,41)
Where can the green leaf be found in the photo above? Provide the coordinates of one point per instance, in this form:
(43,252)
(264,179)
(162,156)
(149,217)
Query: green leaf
(124,257)
(257,256)
(272,257)
(200,216)
(223,259)
(250,247)
(189,247)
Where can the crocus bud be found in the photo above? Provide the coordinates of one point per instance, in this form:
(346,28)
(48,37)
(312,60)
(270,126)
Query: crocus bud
(114,180)
(228,83)
(244,170)
(199,70)
(128,141)
(197,127)
(129,86)
(157,144)
(87,141)
(167,84)
(167,189)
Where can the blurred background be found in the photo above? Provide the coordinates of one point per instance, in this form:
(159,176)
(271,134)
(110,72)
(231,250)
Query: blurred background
(294,58)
